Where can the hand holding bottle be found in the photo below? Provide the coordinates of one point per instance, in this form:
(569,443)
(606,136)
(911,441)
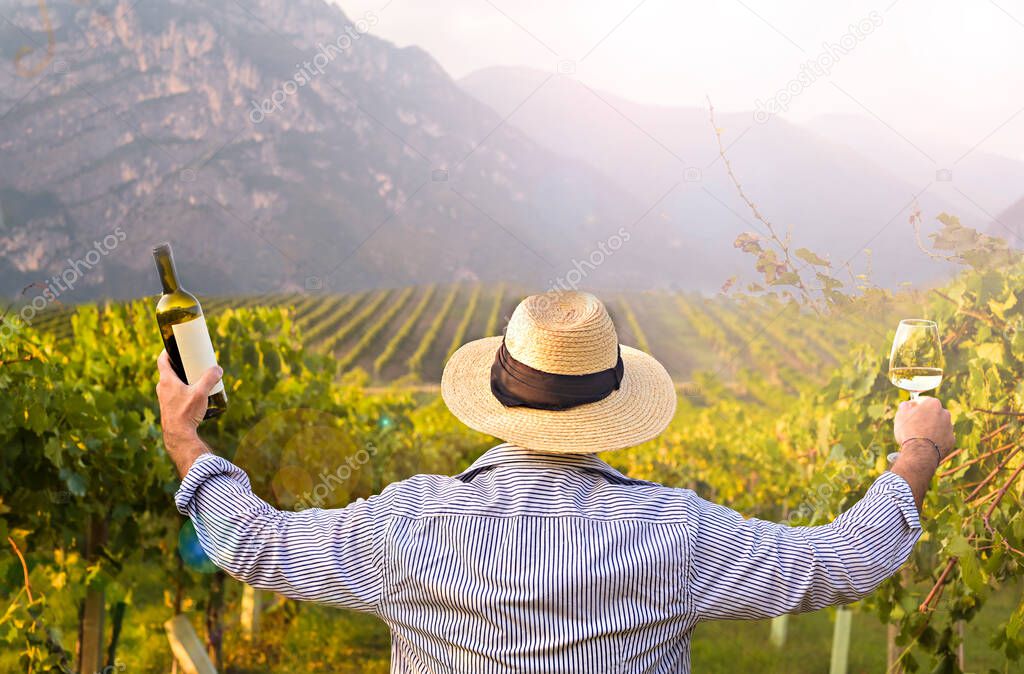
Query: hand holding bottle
(182,408)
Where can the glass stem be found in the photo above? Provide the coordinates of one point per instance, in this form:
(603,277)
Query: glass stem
(913,395)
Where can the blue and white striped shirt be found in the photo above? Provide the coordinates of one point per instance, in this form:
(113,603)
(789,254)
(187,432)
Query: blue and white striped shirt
(531,562)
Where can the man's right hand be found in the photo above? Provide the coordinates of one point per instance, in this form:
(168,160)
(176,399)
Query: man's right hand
(924,418)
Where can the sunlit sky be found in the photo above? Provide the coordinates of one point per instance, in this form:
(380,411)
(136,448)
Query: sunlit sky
(938,70)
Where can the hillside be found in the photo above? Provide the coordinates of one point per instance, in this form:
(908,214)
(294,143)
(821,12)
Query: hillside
(408,333)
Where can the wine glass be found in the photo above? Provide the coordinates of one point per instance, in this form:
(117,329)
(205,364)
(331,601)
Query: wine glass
(915,361)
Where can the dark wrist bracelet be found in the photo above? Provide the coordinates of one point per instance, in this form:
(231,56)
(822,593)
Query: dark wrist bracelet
(938,452)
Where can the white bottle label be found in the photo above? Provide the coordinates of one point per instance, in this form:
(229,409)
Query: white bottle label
(196,350)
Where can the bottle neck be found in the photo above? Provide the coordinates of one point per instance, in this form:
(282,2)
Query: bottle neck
(165,267)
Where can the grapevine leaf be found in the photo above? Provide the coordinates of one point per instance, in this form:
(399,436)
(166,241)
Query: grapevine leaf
(75,482)
(1016,623)
(972,574)
(990,351)
(810,257)
(788,278)
(1000,308)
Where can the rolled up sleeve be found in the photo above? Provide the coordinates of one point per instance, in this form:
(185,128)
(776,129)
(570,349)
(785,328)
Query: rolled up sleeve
(749,568)
(334,557)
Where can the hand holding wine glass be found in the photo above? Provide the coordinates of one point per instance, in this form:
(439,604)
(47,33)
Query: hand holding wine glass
(915,361)
(924,432)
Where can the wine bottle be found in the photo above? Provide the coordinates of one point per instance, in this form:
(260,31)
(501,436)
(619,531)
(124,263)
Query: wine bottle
(183,328)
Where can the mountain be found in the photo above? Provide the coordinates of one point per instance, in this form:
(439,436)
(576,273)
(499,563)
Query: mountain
(1010,224)
(976,183)
(836,199)
(278,145)
(281,146)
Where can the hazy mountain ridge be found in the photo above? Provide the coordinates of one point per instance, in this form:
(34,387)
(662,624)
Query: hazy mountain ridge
(1010,223)
(837,199)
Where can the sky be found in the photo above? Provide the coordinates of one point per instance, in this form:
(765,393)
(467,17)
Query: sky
(939,70)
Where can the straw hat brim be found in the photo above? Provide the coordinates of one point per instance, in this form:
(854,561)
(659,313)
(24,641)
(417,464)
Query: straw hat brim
(638,411)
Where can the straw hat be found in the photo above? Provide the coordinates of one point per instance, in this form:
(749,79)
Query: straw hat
(560,333)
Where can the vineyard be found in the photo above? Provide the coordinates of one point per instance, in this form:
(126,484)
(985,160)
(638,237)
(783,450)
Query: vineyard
(783,414)
(408,333)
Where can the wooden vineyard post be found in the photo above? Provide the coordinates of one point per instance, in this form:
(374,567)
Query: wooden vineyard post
(251,607)
(841,641)
(90,659)
(892,650)
(188,649)
(780,629)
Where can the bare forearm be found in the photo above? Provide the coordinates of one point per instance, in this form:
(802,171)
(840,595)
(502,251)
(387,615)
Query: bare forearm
(184,448)
(916,464)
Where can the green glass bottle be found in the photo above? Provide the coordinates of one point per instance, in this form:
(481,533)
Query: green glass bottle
(184,330)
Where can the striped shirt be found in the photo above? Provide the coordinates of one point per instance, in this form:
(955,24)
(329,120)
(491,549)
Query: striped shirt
(531,562)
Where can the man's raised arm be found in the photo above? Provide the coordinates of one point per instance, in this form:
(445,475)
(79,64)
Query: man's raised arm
(334,557)
(748,568)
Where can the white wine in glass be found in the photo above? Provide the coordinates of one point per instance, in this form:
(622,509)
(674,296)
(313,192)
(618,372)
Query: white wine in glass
(915,361)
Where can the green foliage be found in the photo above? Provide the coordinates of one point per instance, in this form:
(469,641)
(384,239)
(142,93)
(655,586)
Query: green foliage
(767,433)
(806,461)
(83,455)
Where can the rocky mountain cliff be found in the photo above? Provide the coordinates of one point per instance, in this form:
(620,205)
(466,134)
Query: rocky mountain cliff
(278,145)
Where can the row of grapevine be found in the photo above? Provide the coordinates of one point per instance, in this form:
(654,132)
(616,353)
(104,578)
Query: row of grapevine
(491,327)
(370,334)
(404,331)
(317,328)
(634,325)
(360,318)
(685,331)
(321,307)
(756,350)
(467,316)
(415,361)
(707,328)
(303,307)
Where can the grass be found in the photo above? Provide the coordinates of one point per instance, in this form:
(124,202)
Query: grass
(309,638)
(743,646)
(321,639)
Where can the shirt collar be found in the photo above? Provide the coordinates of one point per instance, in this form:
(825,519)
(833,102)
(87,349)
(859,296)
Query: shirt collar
(507,453)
